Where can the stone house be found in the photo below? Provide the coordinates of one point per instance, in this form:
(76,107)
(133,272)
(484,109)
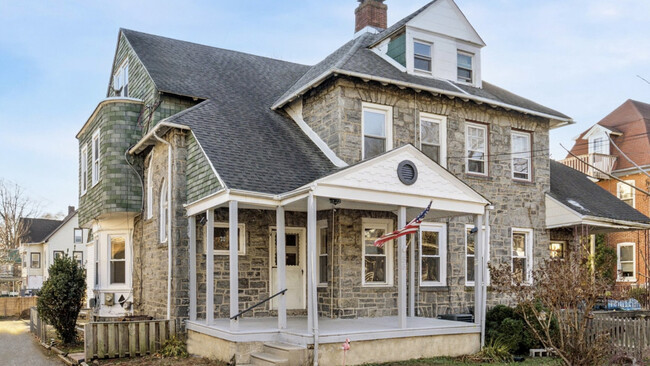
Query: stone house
(200,160)
(620,166)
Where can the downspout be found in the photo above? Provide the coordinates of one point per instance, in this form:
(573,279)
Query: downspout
(169,223)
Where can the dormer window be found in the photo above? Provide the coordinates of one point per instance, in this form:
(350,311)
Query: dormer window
(422,56)
(121,80)
(464,67)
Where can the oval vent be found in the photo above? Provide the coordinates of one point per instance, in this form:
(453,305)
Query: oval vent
(407,172)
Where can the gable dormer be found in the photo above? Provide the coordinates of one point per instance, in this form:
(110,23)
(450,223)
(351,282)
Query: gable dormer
(436,41)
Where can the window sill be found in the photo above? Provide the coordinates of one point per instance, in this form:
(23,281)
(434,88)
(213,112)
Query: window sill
(434,288)
(379,285)
(478,176)
(523,182)
(623,280)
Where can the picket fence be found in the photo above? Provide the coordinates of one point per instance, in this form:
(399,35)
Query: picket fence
(631,335)
(122,339)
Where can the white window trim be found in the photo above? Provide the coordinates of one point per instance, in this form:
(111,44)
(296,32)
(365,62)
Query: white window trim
(388,112)
(150,187)
(619,187)
(95,168)
(122,69)
(473,69)
(386,224)
(592,143)
(619,278)
(441,229)
(442,120)
(162,214)
(564,244)
(74,236)
(468,283)
(84,169)
(241,249)
(486,159)
(529,252)
(320,225)
(105,263)
(529,154)
(415,69)
(31,261)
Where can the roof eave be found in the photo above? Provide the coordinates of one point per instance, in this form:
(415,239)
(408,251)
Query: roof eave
(150,139)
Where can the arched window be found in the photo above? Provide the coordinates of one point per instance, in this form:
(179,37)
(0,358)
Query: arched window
(164,218)
(150,187)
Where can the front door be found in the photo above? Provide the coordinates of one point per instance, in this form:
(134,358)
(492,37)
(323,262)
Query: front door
(295,268)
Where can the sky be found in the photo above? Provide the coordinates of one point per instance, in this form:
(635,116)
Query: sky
(580,57)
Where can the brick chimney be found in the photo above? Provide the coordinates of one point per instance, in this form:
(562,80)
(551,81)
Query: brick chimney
(372,13)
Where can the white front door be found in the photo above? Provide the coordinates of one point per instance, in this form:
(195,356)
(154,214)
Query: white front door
(295,268)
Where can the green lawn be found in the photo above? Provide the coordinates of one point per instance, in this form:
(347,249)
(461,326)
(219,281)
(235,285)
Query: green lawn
(451,361)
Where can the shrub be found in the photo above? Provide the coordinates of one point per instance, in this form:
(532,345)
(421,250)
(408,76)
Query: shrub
(496,351)
(507,325)
(61,296)
(174,347)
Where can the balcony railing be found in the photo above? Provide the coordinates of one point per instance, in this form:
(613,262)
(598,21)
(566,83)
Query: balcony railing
(601,161)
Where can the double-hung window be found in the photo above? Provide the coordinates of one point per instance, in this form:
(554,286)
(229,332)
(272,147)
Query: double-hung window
(322,244)
(163,214)
(78,257)
(83,158)
(625,192)
(433,254)
(470,255)
(58,254)
(78,236)
(376,261)
(377,129)
(221,243)
(626,265)
(35,260)
(464,67)
(95,157)
(556,249)
(433,137)
(476,147)
(117,259)
(521,155)
(422,56)
(522,253)
(121,80)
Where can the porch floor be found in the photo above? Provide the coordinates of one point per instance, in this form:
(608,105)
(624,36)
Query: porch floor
(330,330)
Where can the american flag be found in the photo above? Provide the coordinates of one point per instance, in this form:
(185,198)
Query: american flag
(410,228)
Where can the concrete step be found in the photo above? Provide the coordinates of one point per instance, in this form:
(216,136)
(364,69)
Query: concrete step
(267,359)
(296,355)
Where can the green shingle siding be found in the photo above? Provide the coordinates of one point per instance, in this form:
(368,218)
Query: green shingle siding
(140,84)
(397,49)
(201,180)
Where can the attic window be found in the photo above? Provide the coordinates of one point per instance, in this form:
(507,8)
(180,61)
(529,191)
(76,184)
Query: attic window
(422,56)
(121,80)
(464,67)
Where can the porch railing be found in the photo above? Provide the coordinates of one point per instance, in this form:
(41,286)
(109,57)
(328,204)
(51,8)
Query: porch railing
(258,304)
(582,164)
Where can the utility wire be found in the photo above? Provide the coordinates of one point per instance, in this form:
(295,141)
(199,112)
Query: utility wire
(627,158)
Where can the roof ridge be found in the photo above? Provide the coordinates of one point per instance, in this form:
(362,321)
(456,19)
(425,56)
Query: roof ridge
(399,24)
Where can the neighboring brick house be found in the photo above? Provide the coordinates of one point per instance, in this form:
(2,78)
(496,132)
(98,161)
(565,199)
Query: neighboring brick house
(192,137)
(629,129)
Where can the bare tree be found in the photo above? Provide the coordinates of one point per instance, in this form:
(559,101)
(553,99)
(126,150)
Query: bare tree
(14,205)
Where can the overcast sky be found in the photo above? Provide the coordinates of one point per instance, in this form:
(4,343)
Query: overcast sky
(581,58)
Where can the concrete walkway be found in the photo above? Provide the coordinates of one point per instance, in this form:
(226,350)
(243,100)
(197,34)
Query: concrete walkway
(18,347)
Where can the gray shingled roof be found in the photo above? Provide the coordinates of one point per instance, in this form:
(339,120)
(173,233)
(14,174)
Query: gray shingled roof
(576,191)
(250,146)
(38,229)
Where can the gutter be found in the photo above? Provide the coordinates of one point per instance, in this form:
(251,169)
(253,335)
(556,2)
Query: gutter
(169,221)
(153,134)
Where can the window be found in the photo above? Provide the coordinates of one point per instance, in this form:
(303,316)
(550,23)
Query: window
(57,254)
(521,155)
(433,137)
(626,262)
(522,244)
(96,253)
(377,262)
(121,80)
(556,248)
(599,146)
(433,254)
(470,255)
(35,260)
(163,212)
(625,192)
(322,243)
(118,259)
(464,67)
(24,260)
(95,158)
(221,243)
(84,168)
(422,56)
(79,257)
(150,187)
(476,146)
(78,236)
(377,130)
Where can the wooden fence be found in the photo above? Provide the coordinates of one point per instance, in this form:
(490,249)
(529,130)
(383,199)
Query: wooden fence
(630,335)
(122,339)
(14,306)
(37,326)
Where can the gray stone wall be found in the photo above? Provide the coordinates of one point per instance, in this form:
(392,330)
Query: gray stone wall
(118,188)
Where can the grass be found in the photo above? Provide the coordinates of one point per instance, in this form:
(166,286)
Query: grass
(157,361)
(459,362)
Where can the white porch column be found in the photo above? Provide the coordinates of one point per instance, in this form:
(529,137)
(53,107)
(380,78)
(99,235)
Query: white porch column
(209,267)
(234,262)
(478,269)
(312,302)
(486,274)
(401,263)
(282,268)
(191,228)
(412,274)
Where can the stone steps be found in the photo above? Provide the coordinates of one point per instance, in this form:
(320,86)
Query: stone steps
(276,353)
